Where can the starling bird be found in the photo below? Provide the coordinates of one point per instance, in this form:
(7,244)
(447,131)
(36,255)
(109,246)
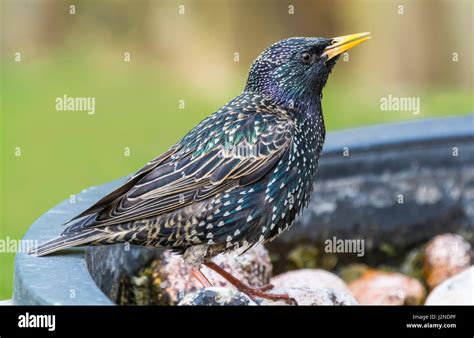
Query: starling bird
(239,178)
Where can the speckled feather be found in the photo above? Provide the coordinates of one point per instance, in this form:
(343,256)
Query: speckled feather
(238,178)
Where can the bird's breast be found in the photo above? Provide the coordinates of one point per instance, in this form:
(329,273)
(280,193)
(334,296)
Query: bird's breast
(290,185)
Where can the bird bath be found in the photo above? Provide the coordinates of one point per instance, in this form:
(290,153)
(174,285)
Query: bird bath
(394,186)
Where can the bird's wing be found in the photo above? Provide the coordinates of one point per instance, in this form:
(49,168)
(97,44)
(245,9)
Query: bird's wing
(117,193)
(233,147)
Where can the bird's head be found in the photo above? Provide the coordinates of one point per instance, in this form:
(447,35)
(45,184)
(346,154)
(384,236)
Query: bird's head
(294,71)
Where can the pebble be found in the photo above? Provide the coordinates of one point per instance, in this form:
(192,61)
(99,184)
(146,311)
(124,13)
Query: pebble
(217,296)
(174,275)
(457,290)
(445,256)
(310,278)
(308,296)
(387,288)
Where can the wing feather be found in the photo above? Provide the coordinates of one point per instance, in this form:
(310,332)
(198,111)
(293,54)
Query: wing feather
(237,148)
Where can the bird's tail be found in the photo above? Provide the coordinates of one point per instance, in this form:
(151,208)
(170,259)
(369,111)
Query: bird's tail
(69,240)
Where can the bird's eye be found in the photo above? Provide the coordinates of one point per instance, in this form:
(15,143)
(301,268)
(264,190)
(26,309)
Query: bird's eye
(306,58)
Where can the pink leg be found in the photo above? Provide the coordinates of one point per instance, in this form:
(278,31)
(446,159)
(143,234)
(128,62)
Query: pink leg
(250,291)
(201,277)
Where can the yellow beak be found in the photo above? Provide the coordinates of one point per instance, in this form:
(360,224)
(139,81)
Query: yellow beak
(343,43)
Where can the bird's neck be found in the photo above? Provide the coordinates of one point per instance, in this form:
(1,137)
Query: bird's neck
(307,109)
(308,116)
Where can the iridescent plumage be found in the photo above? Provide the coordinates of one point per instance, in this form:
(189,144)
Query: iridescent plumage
(240,177)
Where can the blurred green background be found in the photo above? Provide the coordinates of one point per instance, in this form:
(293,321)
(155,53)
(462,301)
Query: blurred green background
(191,57)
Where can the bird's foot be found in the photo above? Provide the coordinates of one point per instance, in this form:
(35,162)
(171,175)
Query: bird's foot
(260,292)
(252,292)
